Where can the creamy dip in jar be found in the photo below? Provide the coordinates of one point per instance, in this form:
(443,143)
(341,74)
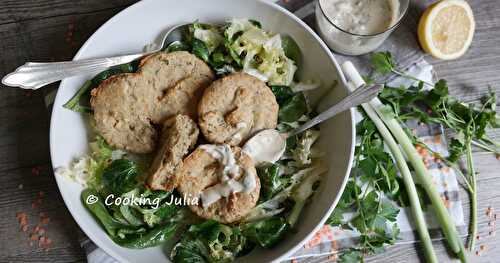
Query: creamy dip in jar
(355,27)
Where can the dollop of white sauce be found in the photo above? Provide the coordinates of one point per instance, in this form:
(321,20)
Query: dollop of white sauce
(266,146)
(227,185)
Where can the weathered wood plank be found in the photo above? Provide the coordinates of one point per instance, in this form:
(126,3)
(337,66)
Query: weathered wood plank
(21,10)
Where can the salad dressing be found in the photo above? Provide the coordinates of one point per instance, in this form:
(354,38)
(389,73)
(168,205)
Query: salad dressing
(230,169)
(356,27)
(363,17)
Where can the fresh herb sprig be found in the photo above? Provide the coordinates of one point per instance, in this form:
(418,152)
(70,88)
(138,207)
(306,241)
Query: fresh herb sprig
(468,122)
(383,63)
(374,214)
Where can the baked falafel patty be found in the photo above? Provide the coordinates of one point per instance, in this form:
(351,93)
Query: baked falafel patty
(178,136)
(127,105)
(202,172)
(236,107)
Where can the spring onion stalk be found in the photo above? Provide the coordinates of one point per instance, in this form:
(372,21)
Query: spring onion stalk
(423,177)
(411,189)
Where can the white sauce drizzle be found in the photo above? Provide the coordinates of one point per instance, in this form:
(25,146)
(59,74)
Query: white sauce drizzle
(230,169)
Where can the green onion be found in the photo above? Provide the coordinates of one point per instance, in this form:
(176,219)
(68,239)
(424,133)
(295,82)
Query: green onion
(387,125)
(415,206)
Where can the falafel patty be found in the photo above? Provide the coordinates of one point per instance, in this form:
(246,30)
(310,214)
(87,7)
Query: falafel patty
(202,171)
(179,135)
(127,105)
(236,107)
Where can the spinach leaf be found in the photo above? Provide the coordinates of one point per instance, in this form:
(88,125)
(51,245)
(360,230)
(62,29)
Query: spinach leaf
(177,46)
(94,203)
(293,108)
(267,233)
(292,50)
(133,234)
(271,181)
(120,176)
(200,49)
(282,94)
(131,215)
(190,251)
(80,102)
(150,238)
(255,23)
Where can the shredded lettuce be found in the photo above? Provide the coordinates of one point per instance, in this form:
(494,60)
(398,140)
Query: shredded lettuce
(303,153)
(87,170)
(262,52)
(237,25)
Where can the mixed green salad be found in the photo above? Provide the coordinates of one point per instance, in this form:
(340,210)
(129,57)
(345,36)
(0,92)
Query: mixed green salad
(239,45)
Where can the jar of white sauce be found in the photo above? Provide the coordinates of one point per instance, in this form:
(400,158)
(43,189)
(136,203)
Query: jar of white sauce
(355,27)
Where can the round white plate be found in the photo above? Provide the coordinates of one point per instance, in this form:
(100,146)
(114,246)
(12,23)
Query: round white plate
(132,29)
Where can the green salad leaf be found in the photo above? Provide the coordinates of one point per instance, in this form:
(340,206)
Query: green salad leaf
(151,238)
(283,94)
(210,241)
(98,209)
(272,181)
(120,176)
(293,108)
(190,251)
(291,49)
(268,232)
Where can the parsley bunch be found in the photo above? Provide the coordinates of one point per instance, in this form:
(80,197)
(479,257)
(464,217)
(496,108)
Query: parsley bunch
(374,215)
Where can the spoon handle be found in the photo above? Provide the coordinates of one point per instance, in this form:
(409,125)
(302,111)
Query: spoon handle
(34,75)
(357,97)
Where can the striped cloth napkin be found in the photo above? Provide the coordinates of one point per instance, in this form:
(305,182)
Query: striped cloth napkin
(329,241)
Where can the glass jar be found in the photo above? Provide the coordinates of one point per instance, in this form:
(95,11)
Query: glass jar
(349,43)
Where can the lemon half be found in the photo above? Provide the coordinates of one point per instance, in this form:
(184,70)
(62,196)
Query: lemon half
(446,29)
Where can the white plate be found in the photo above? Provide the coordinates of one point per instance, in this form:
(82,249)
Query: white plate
(133,28)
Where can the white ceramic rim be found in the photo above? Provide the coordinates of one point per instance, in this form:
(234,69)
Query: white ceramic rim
(274,6)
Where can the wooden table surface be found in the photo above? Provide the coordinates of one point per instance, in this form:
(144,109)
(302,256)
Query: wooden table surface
(53,30)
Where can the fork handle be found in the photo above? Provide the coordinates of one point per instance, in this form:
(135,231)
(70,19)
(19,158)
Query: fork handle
(356,98)
(34,75)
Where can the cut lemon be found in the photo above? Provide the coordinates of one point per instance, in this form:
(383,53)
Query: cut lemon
(446,29)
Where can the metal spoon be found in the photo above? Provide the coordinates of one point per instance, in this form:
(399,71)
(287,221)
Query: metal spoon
(269,145)
(34,75)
